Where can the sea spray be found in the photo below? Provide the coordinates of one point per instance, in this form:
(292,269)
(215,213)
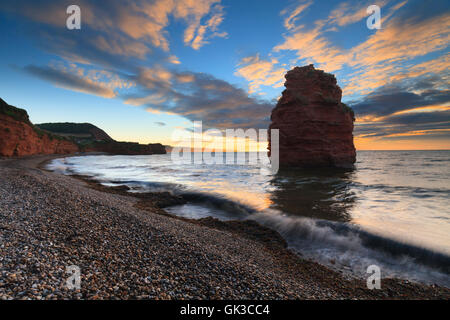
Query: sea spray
(344,247)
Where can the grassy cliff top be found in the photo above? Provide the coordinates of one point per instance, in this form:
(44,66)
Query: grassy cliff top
(67,127)
(15,113)
(79,130)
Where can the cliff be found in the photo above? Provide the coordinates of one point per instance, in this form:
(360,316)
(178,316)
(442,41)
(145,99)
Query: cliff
(316,128)
(78,131)
(93,139)
(19,137)
(125,148)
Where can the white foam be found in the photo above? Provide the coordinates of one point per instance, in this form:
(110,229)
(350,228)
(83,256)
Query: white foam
(345,253)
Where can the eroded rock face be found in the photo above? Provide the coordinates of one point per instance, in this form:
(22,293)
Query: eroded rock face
(18,138)
(316,129)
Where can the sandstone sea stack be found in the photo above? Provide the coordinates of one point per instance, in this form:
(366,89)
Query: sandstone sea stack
(316,128)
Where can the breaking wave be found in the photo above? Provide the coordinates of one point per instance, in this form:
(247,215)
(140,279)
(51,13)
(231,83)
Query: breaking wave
(342,246)
(313,211)
(351,249)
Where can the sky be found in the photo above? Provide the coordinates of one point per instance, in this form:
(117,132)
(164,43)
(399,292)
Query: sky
(141,70)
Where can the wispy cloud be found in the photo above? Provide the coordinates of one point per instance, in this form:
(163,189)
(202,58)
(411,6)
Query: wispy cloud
(97,82)
(404,109)
(199,96)
(120,46)
(260,72)
(311,45)
(211,26)
(154,77)
(350,12)
(174,59)
(113,36)
(142,22)
(380,57)
(391,99)
(403,40)
(399,73)
(293,16)
(399,97)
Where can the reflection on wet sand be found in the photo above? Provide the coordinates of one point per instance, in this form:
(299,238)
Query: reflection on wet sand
(253,198)
(318,193)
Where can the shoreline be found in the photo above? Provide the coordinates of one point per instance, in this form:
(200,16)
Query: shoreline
(190,259)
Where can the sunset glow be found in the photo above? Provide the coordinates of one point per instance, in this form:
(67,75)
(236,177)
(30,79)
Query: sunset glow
(142,71)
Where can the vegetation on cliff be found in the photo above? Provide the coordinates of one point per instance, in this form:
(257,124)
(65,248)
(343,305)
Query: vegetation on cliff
(77,131)
(91,138)
(14,112)
(20,137)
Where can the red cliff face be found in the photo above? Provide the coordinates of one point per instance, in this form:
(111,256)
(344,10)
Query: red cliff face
(316,129)
(19,138)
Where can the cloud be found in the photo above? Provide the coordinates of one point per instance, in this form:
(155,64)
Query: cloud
(154,77)
(438,66)
(382,55)
(403,40)
(292,17)
(174,60)
(129,41)
(404,108)
(312,46)
(260,72)
(400,96)
(350,12)
(202,97)
(120,46)
(195,17)
(119,39)
(161,124)
(142,23)
(185,77)
(97,82)
(211,26)
(413,124)
(151,99)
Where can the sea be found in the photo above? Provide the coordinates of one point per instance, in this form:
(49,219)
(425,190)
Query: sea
(392,210)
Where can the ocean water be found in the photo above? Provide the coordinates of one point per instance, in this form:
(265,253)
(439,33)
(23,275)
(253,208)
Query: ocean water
(392,211)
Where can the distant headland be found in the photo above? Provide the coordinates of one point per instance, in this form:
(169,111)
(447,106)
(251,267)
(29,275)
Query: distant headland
(20,137)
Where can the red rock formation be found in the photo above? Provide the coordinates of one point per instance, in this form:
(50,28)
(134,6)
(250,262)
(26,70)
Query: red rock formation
(316,129)
(18,138)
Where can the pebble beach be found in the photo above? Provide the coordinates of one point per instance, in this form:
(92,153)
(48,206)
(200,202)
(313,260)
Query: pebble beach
(128,247)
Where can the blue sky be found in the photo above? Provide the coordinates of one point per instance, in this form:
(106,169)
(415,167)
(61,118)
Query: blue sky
(141,69)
